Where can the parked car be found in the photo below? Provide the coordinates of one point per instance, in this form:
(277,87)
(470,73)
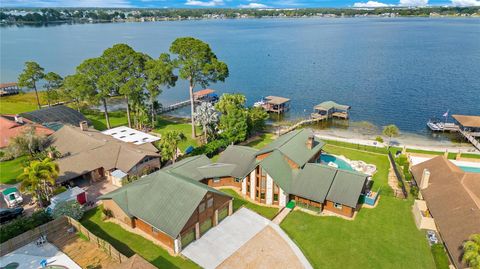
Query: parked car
(7,214)
(432,237)
(12,197)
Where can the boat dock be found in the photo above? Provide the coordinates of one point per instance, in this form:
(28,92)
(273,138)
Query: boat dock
(468,126)
(330,109)
(275,104)
(206,95)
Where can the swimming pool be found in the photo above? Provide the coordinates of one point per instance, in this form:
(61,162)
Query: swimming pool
(470,169)
(326,158)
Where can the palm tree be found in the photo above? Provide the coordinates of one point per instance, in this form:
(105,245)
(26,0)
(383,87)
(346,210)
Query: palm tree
(169,145)
(391,131)
(471,252)
(207,116)
(39,177)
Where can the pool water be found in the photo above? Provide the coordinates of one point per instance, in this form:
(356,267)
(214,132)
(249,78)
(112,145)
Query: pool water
(326,158)
(470,169)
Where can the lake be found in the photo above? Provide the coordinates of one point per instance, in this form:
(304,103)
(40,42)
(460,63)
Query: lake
(390,70)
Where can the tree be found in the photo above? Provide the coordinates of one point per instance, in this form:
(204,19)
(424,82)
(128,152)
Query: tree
(31,74)
(27,143)
(159,73)
(471,251)
(54,82)
(74,89)
(68,208)
(207,117)
(256,118)
(94,83)
(230,101)
(169,145)
(38,178)
(234,125)
(197,64)
(391,131)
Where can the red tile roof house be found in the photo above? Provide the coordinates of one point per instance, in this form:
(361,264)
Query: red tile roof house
(14,125)
(179,203)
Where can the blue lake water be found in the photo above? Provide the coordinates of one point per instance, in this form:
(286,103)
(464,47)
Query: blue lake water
(401,70)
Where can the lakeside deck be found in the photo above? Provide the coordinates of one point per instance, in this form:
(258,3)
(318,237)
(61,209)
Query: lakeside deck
(467,125)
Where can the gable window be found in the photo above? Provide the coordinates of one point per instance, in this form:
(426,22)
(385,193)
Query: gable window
(337,205)
(201,208)
(209,202)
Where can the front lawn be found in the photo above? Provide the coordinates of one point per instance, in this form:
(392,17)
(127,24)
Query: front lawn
(19,103)
(382,237)
(117,118)
(180,125)
(262,141)
(238,202)
(10,170)
(129,243)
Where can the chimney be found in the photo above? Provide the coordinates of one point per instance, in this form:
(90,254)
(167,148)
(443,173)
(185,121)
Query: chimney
(425,179)
(310,142)
(18,119)
(83,126)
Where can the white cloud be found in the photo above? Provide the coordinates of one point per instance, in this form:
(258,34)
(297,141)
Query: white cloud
(413,3)
(212,3)
(65,3)
(370,4)
(253,5)
(466,3)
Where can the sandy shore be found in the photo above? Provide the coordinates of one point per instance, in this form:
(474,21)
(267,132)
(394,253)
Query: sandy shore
(409,140)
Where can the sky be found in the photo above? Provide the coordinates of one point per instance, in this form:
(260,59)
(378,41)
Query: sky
(233,3)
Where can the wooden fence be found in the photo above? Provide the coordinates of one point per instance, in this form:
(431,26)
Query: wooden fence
(398,174)
(53,228)
(102,244)
(27,237)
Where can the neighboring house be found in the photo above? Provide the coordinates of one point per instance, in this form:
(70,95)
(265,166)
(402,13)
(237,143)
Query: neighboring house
(56,116)
(452,199)
(14,125)
(88,155)
(9,88)
(127,134)
(170,205)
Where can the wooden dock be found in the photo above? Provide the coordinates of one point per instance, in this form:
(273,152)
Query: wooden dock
(303,122)
(471,138)
(174,106)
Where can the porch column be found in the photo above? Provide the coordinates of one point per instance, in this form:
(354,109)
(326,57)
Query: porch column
(282,198)
(230,207)
(177,245)
(244,185)
(197,230)
(215,217)
(269,190)
(252,184)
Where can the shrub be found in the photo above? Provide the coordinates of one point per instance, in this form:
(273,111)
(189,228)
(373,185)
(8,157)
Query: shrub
(414,191)
(107,213)
(211,148)
(59,190)
(68,208)
(23,224)
(379,139)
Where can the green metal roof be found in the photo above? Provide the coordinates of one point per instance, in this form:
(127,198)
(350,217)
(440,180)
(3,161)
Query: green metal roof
(162,199)
(346,187)
(327,105)
(279,169)
(314,181)
(188,167)
(242,157)
(294,146)
(217,170)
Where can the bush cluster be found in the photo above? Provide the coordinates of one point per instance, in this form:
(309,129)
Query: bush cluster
(211,148)
(23,224)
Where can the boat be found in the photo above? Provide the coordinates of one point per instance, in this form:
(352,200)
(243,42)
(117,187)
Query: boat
(434,125)
(259,103)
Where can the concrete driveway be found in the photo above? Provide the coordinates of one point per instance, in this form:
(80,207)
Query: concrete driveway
(225,239)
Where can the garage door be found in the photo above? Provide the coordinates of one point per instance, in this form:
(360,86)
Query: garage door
(205,226)
(222,214)
(188,237)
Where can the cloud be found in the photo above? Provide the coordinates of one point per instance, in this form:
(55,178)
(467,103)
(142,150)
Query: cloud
(413,3)
(253,5)
(66,3)
(370,4)
(466,3)
(212,3)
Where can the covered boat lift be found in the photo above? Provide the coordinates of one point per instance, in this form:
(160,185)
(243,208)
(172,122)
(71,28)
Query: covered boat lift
(331,109)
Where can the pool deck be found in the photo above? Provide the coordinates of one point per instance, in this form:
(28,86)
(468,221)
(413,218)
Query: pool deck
(29,257)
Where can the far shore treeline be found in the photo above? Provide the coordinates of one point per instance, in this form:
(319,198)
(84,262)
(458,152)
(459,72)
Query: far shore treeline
(79,15)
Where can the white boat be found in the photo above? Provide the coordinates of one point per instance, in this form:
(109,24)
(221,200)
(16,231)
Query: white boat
(434,125)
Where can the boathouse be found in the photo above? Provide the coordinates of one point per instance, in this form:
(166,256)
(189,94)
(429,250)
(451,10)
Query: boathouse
(276,104)
(468,123)
(330,109)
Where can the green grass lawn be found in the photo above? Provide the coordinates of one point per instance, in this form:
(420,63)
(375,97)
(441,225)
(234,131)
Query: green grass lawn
(129,243)
(382,237)
(20,103)
(117,118)
(263,140)
(181,125)
(10,170)
(238,202)
(440,256)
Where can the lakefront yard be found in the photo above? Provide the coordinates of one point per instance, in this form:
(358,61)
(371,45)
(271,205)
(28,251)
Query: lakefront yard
(382,237)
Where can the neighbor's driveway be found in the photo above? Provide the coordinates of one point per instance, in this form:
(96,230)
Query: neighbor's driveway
(225,239)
